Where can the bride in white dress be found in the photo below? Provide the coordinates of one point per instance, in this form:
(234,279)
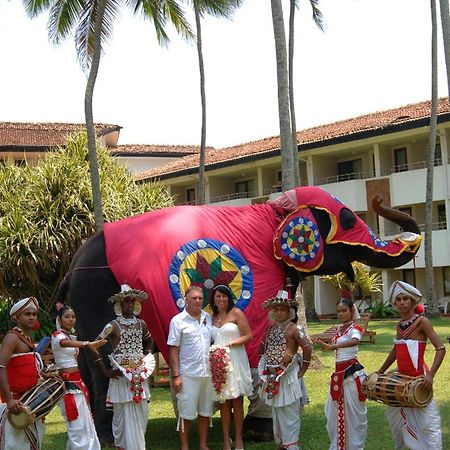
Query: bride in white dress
(231,329)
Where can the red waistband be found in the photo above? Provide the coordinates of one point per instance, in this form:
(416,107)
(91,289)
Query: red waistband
(74,376)
(343,365)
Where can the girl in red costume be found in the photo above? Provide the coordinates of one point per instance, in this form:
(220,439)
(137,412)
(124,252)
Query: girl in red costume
(74,406)
(414,428)
(346,409)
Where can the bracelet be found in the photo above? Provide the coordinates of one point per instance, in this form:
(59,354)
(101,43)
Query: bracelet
(289,354)
(174,376)
(98,359)
(440,348)
(2,366)
(307,361)
(85,343)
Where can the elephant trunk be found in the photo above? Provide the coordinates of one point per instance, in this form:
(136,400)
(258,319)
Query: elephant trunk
(394,215)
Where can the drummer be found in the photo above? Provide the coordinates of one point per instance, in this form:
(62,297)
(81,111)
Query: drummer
(414,428)
(128,386)
(19,372)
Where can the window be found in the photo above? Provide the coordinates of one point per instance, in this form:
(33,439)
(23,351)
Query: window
(409,276)
(400,160)
(438,155)
(190,195)
(245,188)
(442,218)
(349,170)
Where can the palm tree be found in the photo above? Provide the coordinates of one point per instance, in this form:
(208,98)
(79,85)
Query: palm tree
(318,20)
(216,8)
(287,158)
(432,307)
(92,22)
(445,24)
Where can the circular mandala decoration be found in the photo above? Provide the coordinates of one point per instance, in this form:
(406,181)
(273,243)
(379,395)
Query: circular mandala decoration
(376,240)
(207,263)
(300,239)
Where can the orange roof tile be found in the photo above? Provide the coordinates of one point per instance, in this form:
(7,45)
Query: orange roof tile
(15,134)
(384,121)
(156,150)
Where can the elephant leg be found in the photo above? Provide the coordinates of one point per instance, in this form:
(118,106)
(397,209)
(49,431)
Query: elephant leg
(87,288)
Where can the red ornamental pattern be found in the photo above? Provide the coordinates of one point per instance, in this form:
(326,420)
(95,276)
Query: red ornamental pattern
(220,365)
(136,382)
(272,382)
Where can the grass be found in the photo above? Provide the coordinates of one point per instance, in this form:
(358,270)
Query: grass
(161,433)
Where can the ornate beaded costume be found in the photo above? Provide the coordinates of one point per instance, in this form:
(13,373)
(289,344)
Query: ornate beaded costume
(276,344)
(129,352)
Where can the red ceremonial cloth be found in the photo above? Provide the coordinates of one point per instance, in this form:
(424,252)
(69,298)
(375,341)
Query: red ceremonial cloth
(22,374)
(69,399)
(404,361)
(142,251)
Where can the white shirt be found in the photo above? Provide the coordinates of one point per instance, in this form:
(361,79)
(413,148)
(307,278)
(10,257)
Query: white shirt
(193,339)
(64,356)
(346,353)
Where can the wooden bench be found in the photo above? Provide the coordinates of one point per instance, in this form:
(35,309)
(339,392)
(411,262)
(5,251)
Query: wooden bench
(363,322)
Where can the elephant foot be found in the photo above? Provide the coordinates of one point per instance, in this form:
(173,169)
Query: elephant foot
(257,429)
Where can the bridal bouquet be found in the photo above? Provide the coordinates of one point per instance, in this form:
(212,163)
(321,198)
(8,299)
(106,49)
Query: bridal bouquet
(220,365)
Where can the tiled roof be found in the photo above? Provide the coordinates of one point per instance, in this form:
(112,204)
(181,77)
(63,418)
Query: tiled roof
(156,150)
(378,122)
(14,134)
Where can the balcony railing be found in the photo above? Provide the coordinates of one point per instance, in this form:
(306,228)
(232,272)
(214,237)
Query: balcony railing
(436,226)
(234,196)
(344,177)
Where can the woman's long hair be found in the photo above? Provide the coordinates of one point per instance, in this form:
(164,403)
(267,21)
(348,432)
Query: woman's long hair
(225,290)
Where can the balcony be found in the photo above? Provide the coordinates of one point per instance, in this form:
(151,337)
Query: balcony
(234,196)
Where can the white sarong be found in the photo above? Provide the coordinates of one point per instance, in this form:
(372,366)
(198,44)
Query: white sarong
(415,428)
(81,432)
(13,439)
(353,413)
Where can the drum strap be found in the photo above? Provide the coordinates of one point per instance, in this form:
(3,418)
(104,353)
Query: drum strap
(32,435)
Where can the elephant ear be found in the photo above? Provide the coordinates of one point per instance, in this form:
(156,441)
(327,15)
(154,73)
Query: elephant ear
(298,241)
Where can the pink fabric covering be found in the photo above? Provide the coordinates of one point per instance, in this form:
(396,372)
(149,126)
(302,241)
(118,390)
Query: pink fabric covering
(143,251)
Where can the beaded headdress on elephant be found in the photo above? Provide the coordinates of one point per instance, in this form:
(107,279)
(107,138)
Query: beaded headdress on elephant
(127,292)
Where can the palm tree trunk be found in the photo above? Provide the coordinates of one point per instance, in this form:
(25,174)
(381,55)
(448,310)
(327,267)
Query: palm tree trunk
(432,307)
(93,163)
(201,170)
(291,91)
(445,24)
(287,163)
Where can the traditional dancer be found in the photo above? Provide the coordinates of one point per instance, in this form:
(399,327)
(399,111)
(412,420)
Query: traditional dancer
(74,406)
(231,329)
(345,408)
(414,428)
(279,369)
(132,364)
(20,368)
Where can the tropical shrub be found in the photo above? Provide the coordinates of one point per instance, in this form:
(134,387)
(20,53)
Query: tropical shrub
(381,310)
(46,213)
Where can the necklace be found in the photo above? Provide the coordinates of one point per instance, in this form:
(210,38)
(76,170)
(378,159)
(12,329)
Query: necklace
(24,336)
(219,319)
(406,323)
(127,322)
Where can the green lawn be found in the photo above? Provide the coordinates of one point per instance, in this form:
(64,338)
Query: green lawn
(161,434)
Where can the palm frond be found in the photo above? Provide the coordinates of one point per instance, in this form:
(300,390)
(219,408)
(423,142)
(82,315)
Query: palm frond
(84,34)
(34,7)
(63,17)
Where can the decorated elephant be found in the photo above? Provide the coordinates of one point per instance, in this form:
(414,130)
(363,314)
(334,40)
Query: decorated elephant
(250,248)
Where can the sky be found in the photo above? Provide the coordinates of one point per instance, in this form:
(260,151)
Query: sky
(373,55)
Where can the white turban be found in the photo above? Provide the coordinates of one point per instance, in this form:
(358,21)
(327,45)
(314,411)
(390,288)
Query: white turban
(20,306)
(400,287)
